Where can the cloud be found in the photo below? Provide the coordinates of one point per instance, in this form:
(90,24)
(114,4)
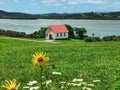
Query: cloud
(33,3)
(96,2)
(73,2)
(112,4)
(32,0)
(52,2)
(49,1)
(86,1)
(1,2)
(101,3)
(63,0)
(16,1)
(115,4)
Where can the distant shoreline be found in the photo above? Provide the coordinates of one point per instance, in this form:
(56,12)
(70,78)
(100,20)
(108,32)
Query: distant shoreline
(56,19)
(76,16)
(18,19)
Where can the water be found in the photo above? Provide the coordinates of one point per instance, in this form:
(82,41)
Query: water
(98,27)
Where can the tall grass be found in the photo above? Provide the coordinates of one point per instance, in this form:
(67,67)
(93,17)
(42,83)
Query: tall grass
(73,58)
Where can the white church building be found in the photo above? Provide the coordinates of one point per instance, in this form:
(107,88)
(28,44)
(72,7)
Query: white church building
(57,32)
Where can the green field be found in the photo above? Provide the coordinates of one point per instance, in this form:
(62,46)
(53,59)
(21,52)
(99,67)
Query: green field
(73,58)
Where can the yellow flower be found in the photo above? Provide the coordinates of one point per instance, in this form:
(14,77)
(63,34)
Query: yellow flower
(11,85)
(39,59)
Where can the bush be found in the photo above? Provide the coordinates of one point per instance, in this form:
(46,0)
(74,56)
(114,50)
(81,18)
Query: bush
(111,38)
(96,39)
(116,38)
(92,39)
(107,38)
(88,39)
(11,33)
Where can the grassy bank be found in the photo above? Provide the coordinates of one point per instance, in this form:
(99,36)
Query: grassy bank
(73,58)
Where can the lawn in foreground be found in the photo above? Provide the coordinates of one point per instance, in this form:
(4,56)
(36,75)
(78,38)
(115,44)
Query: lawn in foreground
(73,58)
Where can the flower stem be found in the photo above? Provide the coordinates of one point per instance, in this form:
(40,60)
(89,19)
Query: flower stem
(41,77)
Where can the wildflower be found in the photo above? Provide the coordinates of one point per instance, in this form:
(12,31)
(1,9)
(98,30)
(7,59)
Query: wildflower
(34,88)
(26,87)
(47,82)
(70,84)
(39,59)
(56,73)
(53,88)
(77,84)
(62,82)
(62,87)
(11,85)
(96,80)
(91,85)
(84,83)
(43,77)
(86,88)
(74,84)
(77,80)
(32,82)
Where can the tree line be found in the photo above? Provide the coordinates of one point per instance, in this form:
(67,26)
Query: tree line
(88,15)
(11,33)
(74,33)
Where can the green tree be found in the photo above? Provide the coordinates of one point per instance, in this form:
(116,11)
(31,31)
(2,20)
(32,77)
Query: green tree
(33,35)
(41,32)
(80,32)
(71,31)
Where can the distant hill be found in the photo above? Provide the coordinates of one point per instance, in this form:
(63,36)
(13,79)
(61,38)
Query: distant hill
(88,15)
(15,15)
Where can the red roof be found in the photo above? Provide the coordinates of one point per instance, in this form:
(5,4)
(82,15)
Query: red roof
(59,28)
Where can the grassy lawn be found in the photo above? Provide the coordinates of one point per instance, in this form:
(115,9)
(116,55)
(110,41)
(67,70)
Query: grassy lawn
(73,58)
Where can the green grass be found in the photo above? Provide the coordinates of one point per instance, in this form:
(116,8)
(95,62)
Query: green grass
(73,58)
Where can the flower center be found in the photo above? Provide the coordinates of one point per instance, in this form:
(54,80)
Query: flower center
(13,89)
(40,59)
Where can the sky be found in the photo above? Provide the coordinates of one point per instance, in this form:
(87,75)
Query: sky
(59,6)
